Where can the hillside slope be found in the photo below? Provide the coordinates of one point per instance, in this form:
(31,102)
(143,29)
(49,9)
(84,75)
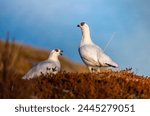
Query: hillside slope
(74,81)
(23,57)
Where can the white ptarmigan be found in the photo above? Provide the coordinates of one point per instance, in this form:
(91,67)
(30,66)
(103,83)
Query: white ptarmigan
(91,54)
(51,65)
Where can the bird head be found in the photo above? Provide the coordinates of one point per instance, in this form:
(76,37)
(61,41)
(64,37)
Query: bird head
(83,26)
(55,53)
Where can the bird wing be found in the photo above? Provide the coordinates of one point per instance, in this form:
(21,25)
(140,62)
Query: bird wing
(93,55)
(48,67)
(105,60)
(89,54)
(42,68)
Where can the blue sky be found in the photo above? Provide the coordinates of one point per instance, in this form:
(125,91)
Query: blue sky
(52,24)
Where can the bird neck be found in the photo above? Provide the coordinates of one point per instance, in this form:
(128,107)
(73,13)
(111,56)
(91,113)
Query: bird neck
(53,57)
(86,37)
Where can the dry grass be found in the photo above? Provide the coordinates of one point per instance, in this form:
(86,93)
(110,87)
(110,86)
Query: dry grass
(73,82)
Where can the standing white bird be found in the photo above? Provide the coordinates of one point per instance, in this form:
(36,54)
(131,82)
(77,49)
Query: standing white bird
(91,54)
(51,65)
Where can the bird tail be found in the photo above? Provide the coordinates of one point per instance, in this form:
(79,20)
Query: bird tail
(114,65)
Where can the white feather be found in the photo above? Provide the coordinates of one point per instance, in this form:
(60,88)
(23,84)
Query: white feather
(91,54)
(51,65)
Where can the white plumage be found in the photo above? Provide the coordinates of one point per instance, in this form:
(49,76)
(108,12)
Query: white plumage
(51,65)
(91,54)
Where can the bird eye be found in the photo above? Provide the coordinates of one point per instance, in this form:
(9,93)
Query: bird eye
(56,50)
(82,23)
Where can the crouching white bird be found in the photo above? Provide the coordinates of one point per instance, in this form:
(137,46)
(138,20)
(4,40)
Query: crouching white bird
(51,65)
(91,54)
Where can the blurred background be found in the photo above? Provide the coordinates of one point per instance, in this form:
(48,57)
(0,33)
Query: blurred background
(49,24)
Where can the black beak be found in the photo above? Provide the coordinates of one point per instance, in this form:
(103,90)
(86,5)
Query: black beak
(78,25)
(61,52)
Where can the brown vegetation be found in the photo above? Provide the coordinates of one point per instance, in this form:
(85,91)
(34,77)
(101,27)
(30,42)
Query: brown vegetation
(73,82)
